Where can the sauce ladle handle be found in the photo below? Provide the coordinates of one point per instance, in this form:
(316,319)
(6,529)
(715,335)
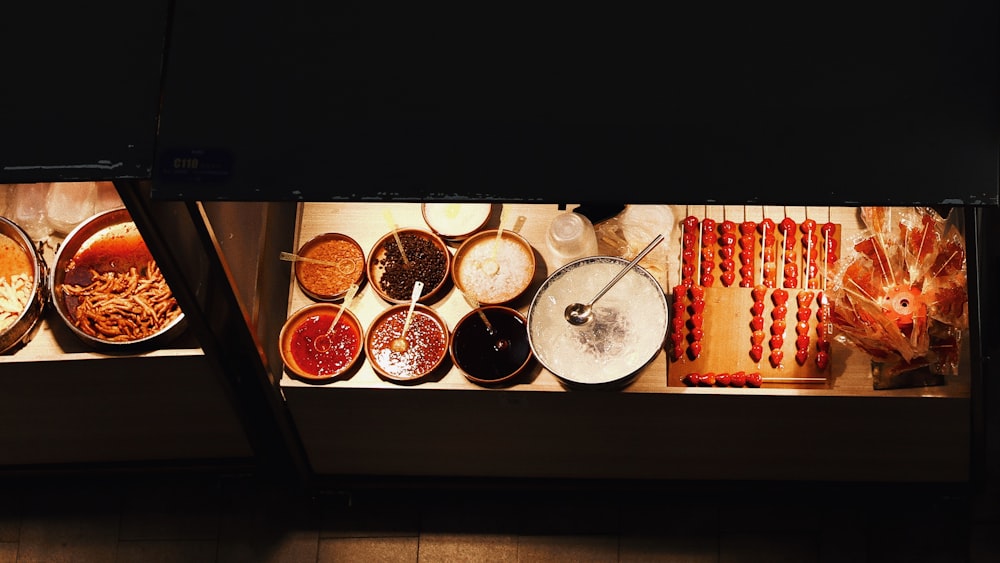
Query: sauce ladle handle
(579,313)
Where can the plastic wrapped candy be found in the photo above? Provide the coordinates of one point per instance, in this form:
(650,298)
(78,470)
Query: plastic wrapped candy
(900,294)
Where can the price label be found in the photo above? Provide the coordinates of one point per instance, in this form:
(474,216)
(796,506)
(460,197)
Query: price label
(195,165)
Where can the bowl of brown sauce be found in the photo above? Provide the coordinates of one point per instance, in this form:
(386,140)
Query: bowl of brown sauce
(107,288)
(23,288)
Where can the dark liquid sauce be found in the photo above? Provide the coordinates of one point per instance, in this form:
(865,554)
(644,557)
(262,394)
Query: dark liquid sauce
(345,343)
(477,351)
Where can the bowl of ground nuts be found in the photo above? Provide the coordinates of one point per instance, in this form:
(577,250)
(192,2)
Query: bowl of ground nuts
(404,256)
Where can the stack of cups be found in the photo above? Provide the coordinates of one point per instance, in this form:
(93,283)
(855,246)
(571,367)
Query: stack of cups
(570,237)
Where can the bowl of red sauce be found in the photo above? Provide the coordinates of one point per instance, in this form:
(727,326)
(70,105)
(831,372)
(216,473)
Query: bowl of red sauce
(333,262)
(418,353)
(494,350)
(312,350)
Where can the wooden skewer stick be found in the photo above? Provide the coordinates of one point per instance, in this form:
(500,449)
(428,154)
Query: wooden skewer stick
(794,379)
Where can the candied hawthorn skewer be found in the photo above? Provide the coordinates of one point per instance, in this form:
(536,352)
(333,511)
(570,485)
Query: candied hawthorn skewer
(678,332)
(790,269)
(768,265)
(707,254)
(778,323)
(757,334)
(740,379)
(804,299)
(697,308)
(727,247)
(748,242)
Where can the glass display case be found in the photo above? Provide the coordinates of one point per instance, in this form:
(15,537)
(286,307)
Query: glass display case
(337,114)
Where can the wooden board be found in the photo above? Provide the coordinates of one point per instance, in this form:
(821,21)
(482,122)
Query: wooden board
(727,328)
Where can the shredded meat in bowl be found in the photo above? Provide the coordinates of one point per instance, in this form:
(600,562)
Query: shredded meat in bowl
(123,307)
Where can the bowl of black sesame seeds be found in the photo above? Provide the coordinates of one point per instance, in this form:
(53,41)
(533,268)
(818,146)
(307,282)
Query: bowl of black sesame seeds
(393,271)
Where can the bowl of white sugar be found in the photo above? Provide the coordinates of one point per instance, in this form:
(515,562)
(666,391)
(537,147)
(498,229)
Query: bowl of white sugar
(625,332)
(494,267)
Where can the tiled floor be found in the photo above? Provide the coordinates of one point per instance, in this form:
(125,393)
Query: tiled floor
(225,518)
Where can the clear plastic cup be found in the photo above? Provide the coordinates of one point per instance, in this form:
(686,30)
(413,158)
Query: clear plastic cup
(570,236)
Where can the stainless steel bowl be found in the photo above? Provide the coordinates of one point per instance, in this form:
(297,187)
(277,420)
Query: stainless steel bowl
(107,242)
(627,330)
(27,322)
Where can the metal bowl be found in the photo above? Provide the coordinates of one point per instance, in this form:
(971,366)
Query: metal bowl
(627,330)
(108,243)
(21,257)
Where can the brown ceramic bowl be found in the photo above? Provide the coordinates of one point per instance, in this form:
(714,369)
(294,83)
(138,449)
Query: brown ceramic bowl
(427,259)
(109,244)
(329,282)
(456,221)
(311,352)
(493,271)
(491,355)
(24,272)
(426,341)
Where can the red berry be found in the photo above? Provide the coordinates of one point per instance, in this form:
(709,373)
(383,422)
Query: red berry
(738,379)
(728,278)
(757,323)
(708,224)
(822,359)
(748,227)
(776,356)
(697,305)
(808,226)
(694,350)
(690,223)
(779,296)
(754,379)
(756,352)
(722,379)
(801,356)
(706,379)
(727,226)
(757,336)
(690,379)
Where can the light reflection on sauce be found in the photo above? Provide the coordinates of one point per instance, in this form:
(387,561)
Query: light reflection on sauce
(426,344)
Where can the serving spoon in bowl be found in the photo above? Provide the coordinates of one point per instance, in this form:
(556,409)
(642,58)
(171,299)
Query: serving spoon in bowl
(323,342)
(399,343)
(581,313)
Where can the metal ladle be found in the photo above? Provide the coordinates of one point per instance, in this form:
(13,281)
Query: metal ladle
(581,313)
